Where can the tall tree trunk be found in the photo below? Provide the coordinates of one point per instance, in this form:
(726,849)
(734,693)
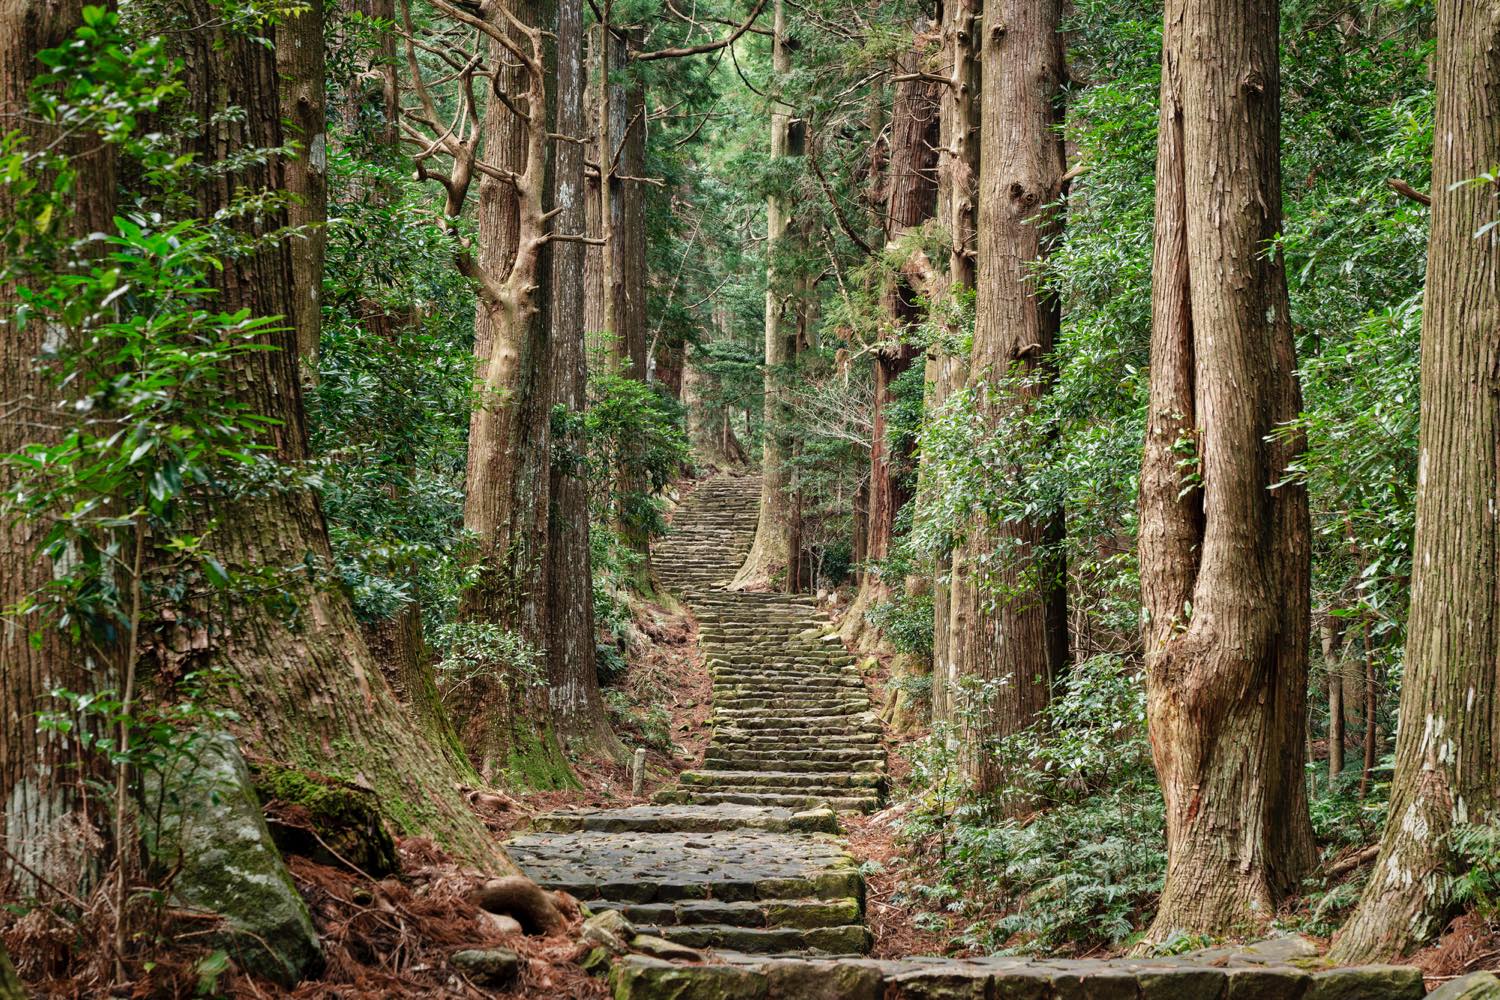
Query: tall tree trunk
(909,199)
(958,170)
(1445,747)
(506,720)
(309,692)
(299,61)
(1015,641)
(770,550)
(1224,556)
(44,824)
(628,249)
(1334,666)
(709,432)
(572,671)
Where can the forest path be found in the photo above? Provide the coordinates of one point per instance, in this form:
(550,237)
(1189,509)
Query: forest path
(743,854)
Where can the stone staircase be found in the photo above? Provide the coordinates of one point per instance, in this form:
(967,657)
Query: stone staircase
(742,855)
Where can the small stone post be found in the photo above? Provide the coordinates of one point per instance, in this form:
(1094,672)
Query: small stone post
(638,772)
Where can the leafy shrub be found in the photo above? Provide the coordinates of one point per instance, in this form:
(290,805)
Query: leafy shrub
(1084,869)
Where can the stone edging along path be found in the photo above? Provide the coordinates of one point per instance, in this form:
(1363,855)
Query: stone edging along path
(743,859)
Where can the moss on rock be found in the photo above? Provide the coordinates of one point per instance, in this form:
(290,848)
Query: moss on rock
(320,817)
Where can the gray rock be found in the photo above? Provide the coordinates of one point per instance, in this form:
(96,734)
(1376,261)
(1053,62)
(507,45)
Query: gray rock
(1478,986)
(661,948)
(491,966)
(799,980)
(1367,982)
(609,929)
(204,819)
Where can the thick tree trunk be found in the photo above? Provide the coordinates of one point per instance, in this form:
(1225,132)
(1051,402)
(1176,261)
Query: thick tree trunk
(958,171)
(909,199)
(506,719)
(572,674)
(770,551)
(44,824)
(299,61)
(1446,749)
(309,692)
(1015,641)
(1224,556)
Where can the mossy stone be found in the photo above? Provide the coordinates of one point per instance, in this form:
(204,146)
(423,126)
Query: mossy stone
(203,819)
(331,821)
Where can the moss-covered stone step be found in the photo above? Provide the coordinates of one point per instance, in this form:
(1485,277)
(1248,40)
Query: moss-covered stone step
(839,803)
(687,819)
(852,939)
(784,762)
(657,866)
(784,779)
(750,913)
(745,977)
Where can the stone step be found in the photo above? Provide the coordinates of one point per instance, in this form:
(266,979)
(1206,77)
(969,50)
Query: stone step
(736,975)
(852,939)
(687,819)
(754,913)
(789,780)
(718,761)
(838,803)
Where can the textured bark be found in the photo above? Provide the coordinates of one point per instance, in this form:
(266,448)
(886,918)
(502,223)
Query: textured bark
(44,822)
(1333,665)
(308,691)
(572,673)
(505,720)
(1224,562)
(1014,638)
(910,199)
(399,647)
(299,61)
(1446,765)
(770,551)
(958,169)
(628,250)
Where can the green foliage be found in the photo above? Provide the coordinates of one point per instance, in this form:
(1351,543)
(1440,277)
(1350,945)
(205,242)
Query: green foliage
(1083,869)
(473,650)
(634,428)
(906,623)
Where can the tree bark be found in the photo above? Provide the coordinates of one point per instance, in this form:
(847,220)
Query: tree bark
(1333,665)
(1445,747)
(628,249)
(506,720)
(770,551)
(308,691)
(299,62)
(909,199)
(1224,555)
(44,822)
(572,673)
(1015,642)
(958,170)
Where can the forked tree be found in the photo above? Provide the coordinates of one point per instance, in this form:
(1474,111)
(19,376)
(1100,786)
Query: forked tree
(1224,544)
(500,141)
(1446,748)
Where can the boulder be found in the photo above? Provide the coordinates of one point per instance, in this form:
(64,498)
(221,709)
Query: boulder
(489,966)
(203,819)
